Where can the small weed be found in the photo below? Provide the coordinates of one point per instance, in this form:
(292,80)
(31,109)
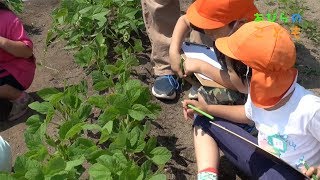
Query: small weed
(15,5)
(271,2)
(311,30)
(289,7)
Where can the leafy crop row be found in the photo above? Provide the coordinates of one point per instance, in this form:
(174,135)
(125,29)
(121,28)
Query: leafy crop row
(15,5)
(104,134)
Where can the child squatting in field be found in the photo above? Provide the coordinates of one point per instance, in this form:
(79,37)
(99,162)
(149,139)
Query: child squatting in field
(17,63)
(17,68)
(286,114)
(215,18)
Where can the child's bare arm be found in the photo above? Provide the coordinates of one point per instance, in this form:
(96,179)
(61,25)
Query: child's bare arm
(233,113)
(16,48)
(219,76)
(180,32)
(192,65)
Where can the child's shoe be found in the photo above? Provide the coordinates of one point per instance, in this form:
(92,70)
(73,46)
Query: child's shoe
(20,106)
(165,87)
(193,94)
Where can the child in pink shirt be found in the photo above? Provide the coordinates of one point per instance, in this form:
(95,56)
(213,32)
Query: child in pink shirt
(17,63)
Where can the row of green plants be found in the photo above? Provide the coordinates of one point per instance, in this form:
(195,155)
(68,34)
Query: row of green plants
(15,5)
(98,128)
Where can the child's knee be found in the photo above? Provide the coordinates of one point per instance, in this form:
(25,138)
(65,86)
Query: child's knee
(197,131)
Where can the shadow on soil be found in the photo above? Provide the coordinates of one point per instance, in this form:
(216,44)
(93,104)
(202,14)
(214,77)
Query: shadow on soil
(308,67)
(170,142)
(32,30)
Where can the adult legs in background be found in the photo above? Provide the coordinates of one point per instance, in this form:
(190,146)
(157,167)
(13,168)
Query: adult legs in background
(239,153)
(160,17)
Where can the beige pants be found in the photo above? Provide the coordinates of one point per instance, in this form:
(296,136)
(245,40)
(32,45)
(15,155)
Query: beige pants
(160,17)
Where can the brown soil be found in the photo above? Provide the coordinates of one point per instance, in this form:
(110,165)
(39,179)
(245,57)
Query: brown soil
(55,66)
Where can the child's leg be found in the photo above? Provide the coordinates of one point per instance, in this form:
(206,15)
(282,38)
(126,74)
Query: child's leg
(205,143)
(12,90)
(243,156)
(9,92)
(207,163)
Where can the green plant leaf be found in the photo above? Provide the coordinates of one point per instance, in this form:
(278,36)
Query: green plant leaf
(39,153)
(160,155)
(100,39)
(6,176)
(108,126)
(138,46)
(43,108)
(46,94)
(151,144)
(98,101)
(71,164)
(91,127)
(64,128)
(85,10)
(119,104)
(33,123)
(139,112)
(84,57)
(33,140)
(34,174)
(119,142)
(111,69)
(103,85)
(100,81)
(55,165)
(158,177)
(110,114)
(146,168)
(84,112)
(101,18)
(99,172)
(105,135)
(23,164)
(74,130)
(131,172)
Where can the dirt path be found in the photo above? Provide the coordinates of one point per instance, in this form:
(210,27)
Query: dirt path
(56,66)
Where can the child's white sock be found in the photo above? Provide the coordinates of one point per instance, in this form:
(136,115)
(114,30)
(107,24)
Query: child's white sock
(208,174)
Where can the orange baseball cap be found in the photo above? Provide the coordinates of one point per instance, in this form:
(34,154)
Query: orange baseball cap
(268,49)
(213,14)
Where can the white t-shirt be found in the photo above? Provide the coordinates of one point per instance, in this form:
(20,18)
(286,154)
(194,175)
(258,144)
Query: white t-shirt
(291,132)
(5,156)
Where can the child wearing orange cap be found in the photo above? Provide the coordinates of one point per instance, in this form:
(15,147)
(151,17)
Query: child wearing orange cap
(286,114)
(215,18)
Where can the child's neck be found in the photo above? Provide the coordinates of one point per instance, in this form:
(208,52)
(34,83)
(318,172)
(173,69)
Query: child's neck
(281,103)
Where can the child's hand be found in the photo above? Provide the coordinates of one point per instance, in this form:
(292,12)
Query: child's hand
(2,41)
(312,172)
(175,61)
(200,104)
(192,65)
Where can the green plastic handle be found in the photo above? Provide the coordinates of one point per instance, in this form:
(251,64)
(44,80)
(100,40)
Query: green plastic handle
(201,112)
